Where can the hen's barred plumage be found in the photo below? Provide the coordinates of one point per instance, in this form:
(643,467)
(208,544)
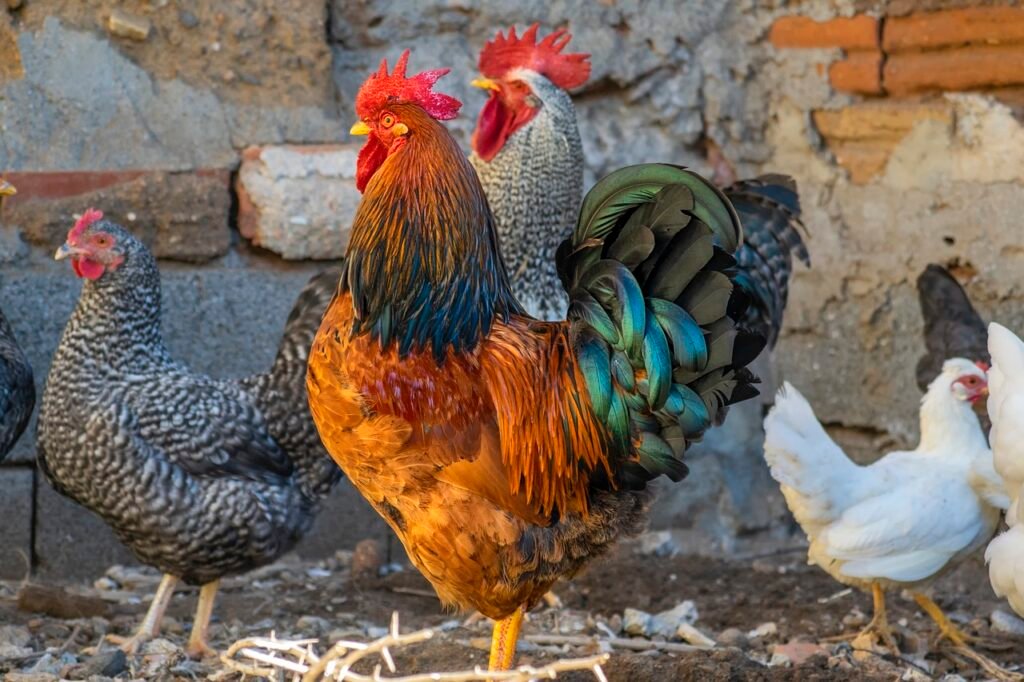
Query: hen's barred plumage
(199,477)
(17,390)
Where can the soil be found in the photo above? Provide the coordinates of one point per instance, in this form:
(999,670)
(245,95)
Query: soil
(778,596)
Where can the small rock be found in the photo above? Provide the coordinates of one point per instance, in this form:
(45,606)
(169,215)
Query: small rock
(855,618)
(110,663)
(30,677)
(733,637)
(779,660)
(129,26)
(692,635)
(367,559)
(636,623)
(187,19)
(798,652)
(1003,621)
(14,641)
(666,622)
(658,543)
(160,647)
(312,624)
(345,633)
(615,623)
(914,675)
(764,630)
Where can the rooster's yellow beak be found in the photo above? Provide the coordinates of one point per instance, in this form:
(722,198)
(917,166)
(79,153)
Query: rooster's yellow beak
(359,128)
(7,189)
(485,84)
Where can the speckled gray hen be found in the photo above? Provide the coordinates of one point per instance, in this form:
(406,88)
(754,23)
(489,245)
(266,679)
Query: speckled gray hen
(17,392)
(200,477)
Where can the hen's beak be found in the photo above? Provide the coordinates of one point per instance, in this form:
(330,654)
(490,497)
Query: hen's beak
(484,84)
(67,251)
(7,189)
(359,128)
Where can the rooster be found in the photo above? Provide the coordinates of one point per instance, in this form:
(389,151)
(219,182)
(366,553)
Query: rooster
(17,390)
(507,452)
(903,520)
(199,477)
(1005,554)
(527,151)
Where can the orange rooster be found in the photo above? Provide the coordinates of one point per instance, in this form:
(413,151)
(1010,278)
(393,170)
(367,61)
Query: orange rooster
(506,452)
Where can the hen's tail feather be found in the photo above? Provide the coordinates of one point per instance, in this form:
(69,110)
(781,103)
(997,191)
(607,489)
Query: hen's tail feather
(952,327)
(1005,559)
(302,325)
(769,209)
(649,271)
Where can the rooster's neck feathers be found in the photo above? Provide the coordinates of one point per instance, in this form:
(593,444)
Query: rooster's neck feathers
(423,264)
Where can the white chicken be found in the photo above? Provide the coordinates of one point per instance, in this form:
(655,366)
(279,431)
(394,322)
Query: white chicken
(1005,554)
(906,518)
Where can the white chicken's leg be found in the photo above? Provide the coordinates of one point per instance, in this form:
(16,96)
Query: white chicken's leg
(948,630)
(150,627)
(197,646)
(879,624)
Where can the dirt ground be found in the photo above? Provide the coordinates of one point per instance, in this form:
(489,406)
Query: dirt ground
(768,614)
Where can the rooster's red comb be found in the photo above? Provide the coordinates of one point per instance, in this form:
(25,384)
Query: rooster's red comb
(90,216)
(383,88)
(502,54)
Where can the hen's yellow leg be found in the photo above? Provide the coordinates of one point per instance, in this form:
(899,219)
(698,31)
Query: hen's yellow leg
(197,646)
(879,624)
(948,630)
(150,627)
(503,642)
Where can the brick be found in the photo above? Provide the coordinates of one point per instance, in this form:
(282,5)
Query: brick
(16,528)
(180,215)
(977,25)
(863,136)
(298,200)
(878,120)
(860,72)
(853,33)
(959,69)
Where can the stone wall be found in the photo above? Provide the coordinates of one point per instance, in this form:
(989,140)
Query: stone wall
(216,130)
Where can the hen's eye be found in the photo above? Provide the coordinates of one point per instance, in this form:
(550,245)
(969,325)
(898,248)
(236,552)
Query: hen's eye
(387,120)
(101,240)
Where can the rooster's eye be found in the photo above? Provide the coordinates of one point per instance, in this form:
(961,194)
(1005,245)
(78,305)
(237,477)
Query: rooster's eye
(387,120)
(101,240)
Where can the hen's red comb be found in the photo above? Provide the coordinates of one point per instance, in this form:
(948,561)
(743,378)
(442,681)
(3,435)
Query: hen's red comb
(382,88)
(90,216)
(982,365)
(502,54)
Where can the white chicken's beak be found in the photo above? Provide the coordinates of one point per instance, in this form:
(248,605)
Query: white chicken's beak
(7,189)
(485,84)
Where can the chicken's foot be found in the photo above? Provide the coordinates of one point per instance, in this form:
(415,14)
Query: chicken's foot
(150,627)
(961,640)
(197,645)
(503,642)
(878,626)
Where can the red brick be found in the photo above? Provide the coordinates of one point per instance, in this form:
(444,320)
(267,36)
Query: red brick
(960,69)
(854,33)
(978,25)
(180,215)
(860,72)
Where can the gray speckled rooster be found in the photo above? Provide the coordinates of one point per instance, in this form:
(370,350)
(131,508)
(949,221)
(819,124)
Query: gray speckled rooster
(527,152)
(200,477)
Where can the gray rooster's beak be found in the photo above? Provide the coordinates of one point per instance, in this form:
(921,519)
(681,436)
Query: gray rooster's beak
(7,189)
(67,251)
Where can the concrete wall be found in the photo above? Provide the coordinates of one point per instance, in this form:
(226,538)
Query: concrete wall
(148,112)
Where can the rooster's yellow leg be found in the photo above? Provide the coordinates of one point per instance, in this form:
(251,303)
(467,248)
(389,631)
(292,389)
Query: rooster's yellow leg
(150,627)
(197,646)
(503,642)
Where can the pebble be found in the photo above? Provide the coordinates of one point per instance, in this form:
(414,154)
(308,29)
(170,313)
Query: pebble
(128,25)
(187,19)
(768,629)
(14,641)
(779,660)
(658,543)
(107,664)
(30,677)
(615,623)
(1003,621)
(636,623)
(733,637)
(312,624)
(798,652)
(367,559)
(692,635)
(855,618)
(666,622)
